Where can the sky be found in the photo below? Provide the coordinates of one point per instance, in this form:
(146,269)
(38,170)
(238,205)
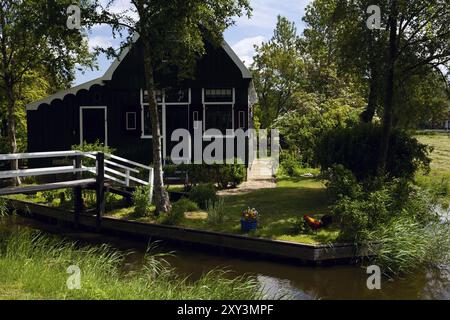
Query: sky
(242,37)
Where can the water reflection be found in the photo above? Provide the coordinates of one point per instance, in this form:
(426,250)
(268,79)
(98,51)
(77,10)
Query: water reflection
(278,280)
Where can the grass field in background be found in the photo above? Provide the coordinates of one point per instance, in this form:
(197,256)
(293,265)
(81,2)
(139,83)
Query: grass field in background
(440,165)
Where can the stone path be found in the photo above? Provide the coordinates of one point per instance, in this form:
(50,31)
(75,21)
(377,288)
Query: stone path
(260,176)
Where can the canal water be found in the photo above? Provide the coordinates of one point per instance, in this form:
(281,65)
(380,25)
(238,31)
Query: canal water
(277,279)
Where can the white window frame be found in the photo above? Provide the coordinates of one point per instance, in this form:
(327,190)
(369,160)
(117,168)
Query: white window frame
(105,108)
(135,120)
(164,106)
(205,104)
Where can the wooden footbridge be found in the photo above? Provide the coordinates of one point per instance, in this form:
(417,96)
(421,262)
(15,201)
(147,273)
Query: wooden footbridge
(110,174)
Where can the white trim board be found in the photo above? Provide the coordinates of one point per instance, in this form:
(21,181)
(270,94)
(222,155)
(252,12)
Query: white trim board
(246,74)
(81,121)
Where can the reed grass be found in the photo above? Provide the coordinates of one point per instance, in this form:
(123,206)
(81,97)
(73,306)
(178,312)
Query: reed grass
(404,246)
(34,266)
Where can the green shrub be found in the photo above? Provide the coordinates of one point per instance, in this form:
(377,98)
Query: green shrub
(224,175)
(179,208)
(356,148)
(141,201)
(301,130)
(363,206)
(203,194)
(49,196)
(341,183)
(216,211)
(94,147)
(289,163)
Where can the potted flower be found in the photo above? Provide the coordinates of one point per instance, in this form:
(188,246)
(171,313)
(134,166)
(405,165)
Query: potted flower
(249,220)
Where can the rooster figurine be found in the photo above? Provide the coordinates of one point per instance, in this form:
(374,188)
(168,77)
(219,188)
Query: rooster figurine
(317,224)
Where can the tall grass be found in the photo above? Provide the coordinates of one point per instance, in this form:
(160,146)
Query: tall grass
(404,246)
(216,211)
(34,266)
(3,208)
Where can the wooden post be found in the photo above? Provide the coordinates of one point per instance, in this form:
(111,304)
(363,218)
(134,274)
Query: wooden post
(77,193)
(100,187)
(127,178)
(150,181)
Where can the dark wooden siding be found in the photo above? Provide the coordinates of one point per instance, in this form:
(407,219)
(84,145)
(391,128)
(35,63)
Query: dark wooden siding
(57,126)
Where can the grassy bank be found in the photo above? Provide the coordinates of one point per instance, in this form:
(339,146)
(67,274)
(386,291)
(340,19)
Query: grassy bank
(34,266)
(281,211)
(439,176)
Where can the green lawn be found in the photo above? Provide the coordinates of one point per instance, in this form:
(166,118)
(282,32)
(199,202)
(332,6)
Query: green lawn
(440,165)
(281,209)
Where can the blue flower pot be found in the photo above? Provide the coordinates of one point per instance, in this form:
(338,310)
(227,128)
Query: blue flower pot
(247,226)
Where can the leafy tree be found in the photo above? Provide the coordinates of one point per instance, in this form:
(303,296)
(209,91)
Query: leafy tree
(301,130)
(278,70)
(34,86)
(414,43)
(175,31)
(34,37)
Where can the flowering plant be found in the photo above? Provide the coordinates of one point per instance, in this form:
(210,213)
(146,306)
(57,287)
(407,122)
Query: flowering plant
(250,215)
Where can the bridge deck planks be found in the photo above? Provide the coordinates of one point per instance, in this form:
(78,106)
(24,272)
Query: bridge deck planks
(47,187)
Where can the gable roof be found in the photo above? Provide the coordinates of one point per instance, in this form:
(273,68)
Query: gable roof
(246,74)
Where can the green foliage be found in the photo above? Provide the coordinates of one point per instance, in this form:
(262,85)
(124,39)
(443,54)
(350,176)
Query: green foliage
(342,183)
(33,266)
(141,201)
(179,208)
(97,146)
(49,196)
(216,211)
(224,175)
(301,130)
(289,163)
(229,174)
(203,194)
(356,148)
(395,219)
(39,55)
(278,72)
(301,227)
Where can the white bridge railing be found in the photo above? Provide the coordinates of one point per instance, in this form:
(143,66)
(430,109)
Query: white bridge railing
(119,170)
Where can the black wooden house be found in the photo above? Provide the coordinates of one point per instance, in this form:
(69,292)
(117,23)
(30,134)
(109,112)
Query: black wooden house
(113,109)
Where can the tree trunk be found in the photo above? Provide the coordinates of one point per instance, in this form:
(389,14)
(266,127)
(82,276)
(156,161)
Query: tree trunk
(369,113)
(162,201)
(12,141)
(390,82)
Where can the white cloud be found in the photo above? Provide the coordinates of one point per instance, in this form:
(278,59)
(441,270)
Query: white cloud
(100,41)
(122,6)
(265,12)
(245,48)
